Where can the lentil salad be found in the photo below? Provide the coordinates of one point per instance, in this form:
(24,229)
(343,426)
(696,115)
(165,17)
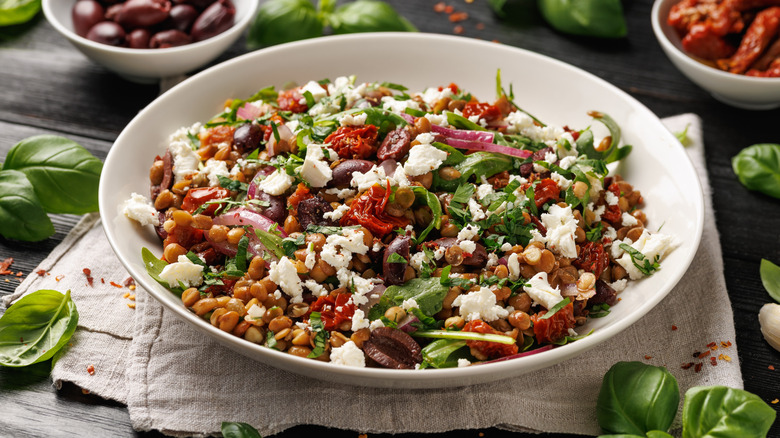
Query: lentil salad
(367,226)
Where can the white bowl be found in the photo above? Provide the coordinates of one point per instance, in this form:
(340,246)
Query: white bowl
(551,90)
(737,90)
(149,65)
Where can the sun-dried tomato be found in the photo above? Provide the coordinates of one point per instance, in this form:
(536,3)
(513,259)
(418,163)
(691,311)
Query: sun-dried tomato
(354,141)
(592,258)
(217,135)
(334,310)
(290,100)
(452,86)
(492,350)
(612,213)
(368,210)
(555,327)
(483,110)
(200,195)
(226,288)
(546,190)
(184,236)
(301,193)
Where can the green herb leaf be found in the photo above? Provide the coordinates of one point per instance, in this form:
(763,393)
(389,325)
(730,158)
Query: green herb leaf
(321,335)
(368,16)
(327,229)
(241,253)
(758,168)
(646,267)
(36,327)
(597,18)
(232,184)
(282,21)
(22,216)
(770,278)
(427,292)
(468,336)
(683,135)
(560,305)
(154,266)
(444,353)
(636,398)
(433,203)
(594,234)
(64,174)
(718,411)
(18,11)
(238,430)
(271,242)
(396,258)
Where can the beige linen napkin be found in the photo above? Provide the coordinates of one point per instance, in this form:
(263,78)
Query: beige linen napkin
(175,380)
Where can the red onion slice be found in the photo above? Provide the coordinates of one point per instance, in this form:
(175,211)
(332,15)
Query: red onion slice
(487,147)
(286,141)
(518,355)
(464,134)
(244,217)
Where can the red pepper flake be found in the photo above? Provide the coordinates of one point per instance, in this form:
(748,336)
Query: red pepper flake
(102,280)
(771,367)
(724,357)
(115,284)
(457,17)
(41,272)
(85,391)
(439,7)
(685,366)
(59,277)
(697,368)
(703,355)
(713,361)
(774,402)
(19,274)
(648,357)
(712,346)
(458,30)
(726,344)
(91,370)
(127,294)
(129,281)
(88,273)
(131,305)
(480,26)
(448,9)
(696,354)
(4,265)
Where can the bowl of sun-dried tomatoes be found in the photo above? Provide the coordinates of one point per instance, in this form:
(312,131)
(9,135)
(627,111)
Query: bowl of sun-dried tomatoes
(731,48)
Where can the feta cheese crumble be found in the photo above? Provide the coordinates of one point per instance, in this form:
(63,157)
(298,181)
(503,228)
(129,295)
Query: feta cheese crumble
(541,292)
(315,169)
(140,209)
(349,355)
(182,272)
(276,183)
(479,304)
(424,158)
(284,274)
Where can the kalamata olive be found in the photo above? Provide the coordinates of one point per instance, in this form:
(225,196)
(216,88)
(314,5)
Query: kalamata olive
(604,294)
(107,32)
(527,168)
(394,272)
(277,206)
(85,14)
(200,4)
(392,348)
(138,39)
(182,16)
(214,20)
(143,13)
(395,145)
(312,211)
(247,137)
(342,173)
(113,11)
(169,38)
(477,259)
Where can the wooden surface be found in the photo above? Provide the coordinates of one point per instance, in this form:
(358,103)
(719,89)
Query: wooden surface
(47,86)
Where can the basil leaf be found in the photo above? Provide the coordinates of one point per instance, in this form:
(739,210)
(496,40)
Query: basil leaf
(718,411)
(18,11)
(64,174)
(22,216)
(770,278)
(597,18)
(368,16)
(427,292)
(636,398)
(758,168)
(238,430)
(36,327)
(282,21)
(444,353)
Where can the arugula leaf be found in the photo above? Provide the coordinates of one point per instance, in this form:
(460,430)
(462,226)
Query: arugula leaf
(154,266)
(586,147)
(461,122)
(458,208)
(455,156)
(427,292)
(433,203)
(444,353)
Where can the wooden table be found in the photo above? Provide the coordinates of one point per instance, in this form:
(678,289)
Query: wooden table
(49,87)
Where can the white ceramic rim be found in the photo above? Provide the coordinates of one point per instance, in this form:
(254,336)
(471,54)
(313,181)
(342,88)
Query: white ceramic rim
(658,29)
(237,27)
(378,377)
